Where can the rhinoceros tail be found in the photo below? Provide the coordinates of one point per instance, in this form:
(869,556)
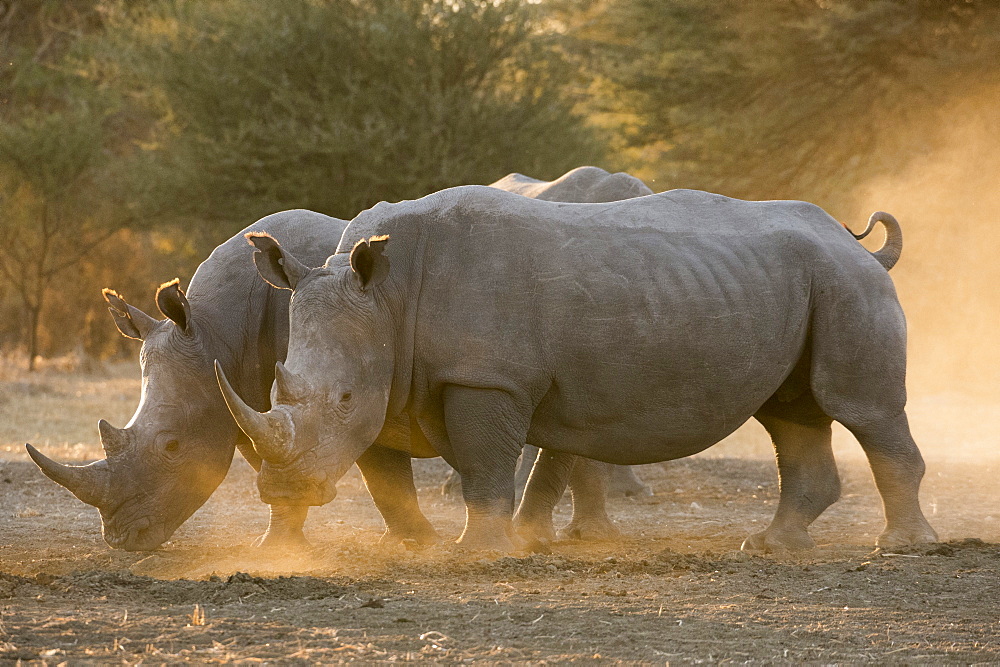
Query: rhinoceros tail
(889,253)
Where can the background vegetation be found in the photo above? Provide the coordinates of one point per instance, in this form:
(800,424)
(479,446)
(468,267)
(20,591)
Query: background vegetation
(135,135)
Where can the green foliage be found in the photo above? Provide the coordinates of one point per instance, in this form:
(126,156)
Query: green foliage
(212,113)
(52,177)
(334,105)
(796,99)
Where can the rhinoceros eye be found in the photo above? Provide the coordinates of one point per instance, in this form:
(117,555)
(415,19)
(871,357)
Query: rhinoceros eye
(172,446)
(345,397)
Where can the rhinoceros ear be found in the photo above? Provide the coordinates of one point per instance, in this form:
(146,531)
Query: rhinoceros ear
(369,262)
(275,265)
(131,322)
(172,303)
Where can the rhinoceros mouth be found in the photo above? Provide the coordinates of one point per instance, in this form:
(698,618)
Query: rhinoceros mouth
(133,536)
(287,485)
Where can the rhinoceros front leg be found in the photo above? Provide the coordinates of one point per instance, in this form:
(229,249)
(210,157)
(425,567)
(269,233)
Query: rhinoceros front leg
(453,484)
(808,483)
(284,530)
(486,430)
(897,467)
(388,474)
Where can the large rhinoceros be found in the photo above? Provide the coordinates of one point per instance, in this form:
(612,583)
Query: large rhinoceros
(633,332)
(179,444)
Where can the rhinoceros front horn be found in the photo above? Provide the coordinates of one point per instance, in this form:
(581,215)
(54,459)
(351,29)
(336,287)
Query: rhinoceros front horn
(265,430)
(89,483)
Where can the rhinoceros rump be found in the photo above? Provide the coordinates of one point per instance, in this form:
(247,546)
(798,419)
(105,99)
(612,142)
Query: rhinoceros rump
(632,332)
(179,444)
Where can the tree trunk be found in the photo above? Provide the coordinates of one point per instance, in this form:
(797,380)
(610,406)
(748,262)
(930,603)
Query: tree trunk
(34,325)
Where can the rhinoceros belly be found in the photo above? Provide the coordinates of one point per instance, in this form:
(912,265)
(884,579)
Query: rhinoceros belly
(667,361)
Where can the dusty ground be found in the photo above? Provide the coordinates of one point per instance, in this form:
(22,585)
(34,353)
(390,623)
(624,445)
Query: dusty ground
(676,589)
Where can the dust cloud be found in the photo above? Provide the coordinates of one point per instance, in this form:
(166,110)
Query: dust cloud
(947,200)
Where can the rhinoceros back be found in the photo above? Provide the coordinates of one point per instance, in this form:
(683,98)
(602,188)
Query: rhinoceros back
(247,318)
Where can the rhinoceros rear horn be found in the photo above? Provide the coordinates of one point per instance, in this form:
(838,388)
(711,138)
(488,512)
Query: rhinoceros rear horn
(112,439)
(274,264)
(264,429)
(89,483)
(290,387)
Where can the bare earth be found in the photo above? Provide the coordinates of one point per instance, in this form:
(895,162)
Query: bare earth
(675,589)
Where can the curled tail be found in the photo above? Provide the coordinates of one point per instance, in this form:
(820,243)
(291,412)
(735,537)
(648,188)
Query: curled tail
(888,254)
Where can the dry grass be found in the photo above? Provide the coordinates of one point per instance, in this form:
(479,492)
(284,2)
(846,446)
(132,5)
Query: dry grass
(57,407)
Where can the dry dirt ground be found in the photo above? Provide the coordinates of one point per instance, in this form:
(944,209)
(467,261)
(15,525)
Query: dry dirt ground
(674,589)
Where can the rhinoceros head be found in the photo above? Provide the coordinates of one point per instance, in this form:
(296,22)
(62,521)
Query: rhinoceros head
(166,462)
(329,399)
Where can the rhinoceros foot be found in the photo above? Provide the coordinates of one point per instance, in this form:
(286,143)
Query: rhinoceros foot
(490,534)
(624,483)
(590,530)
(419,536)
(919,532)
(532,532)
(282,539)
(776,541)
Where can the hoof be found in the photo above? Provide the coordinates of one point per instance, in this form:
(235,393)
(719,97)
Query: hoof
(590,531)
(535,532)
(905,536)
(284,541)
(637,491)
(422,538)
(773,541)
(500,544)
(503,540)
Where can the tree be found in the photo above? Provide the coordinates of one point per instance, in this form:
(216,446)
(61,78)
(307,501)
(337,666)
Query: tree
(334,105)
(53,212)
(797,99)
(52,153)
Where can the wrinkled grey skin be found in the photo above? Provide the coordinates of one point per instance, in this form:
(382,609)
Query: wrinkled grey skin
(178,446)
(589,481)
(633,332)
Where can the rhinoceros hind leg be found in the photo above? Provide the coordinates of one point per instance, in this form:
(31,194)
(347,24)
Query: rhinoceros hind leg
(588,483)
(388,474)
(545,487)
(807,478)
(897,467)
(623,481)
(284,531)
(486,430)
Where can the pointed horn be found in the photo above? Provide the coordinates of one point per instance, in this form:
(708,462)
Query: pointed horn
(112,439)
(291,387)
(89,483)
(263,429)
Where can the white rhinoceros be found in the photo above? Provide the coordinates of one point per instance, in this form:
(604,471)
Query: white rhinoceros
(628,332)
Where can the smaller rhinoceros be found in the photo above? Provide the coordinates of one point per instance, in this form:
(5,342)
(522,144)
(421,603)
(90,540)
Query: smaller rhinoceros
(632,332)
